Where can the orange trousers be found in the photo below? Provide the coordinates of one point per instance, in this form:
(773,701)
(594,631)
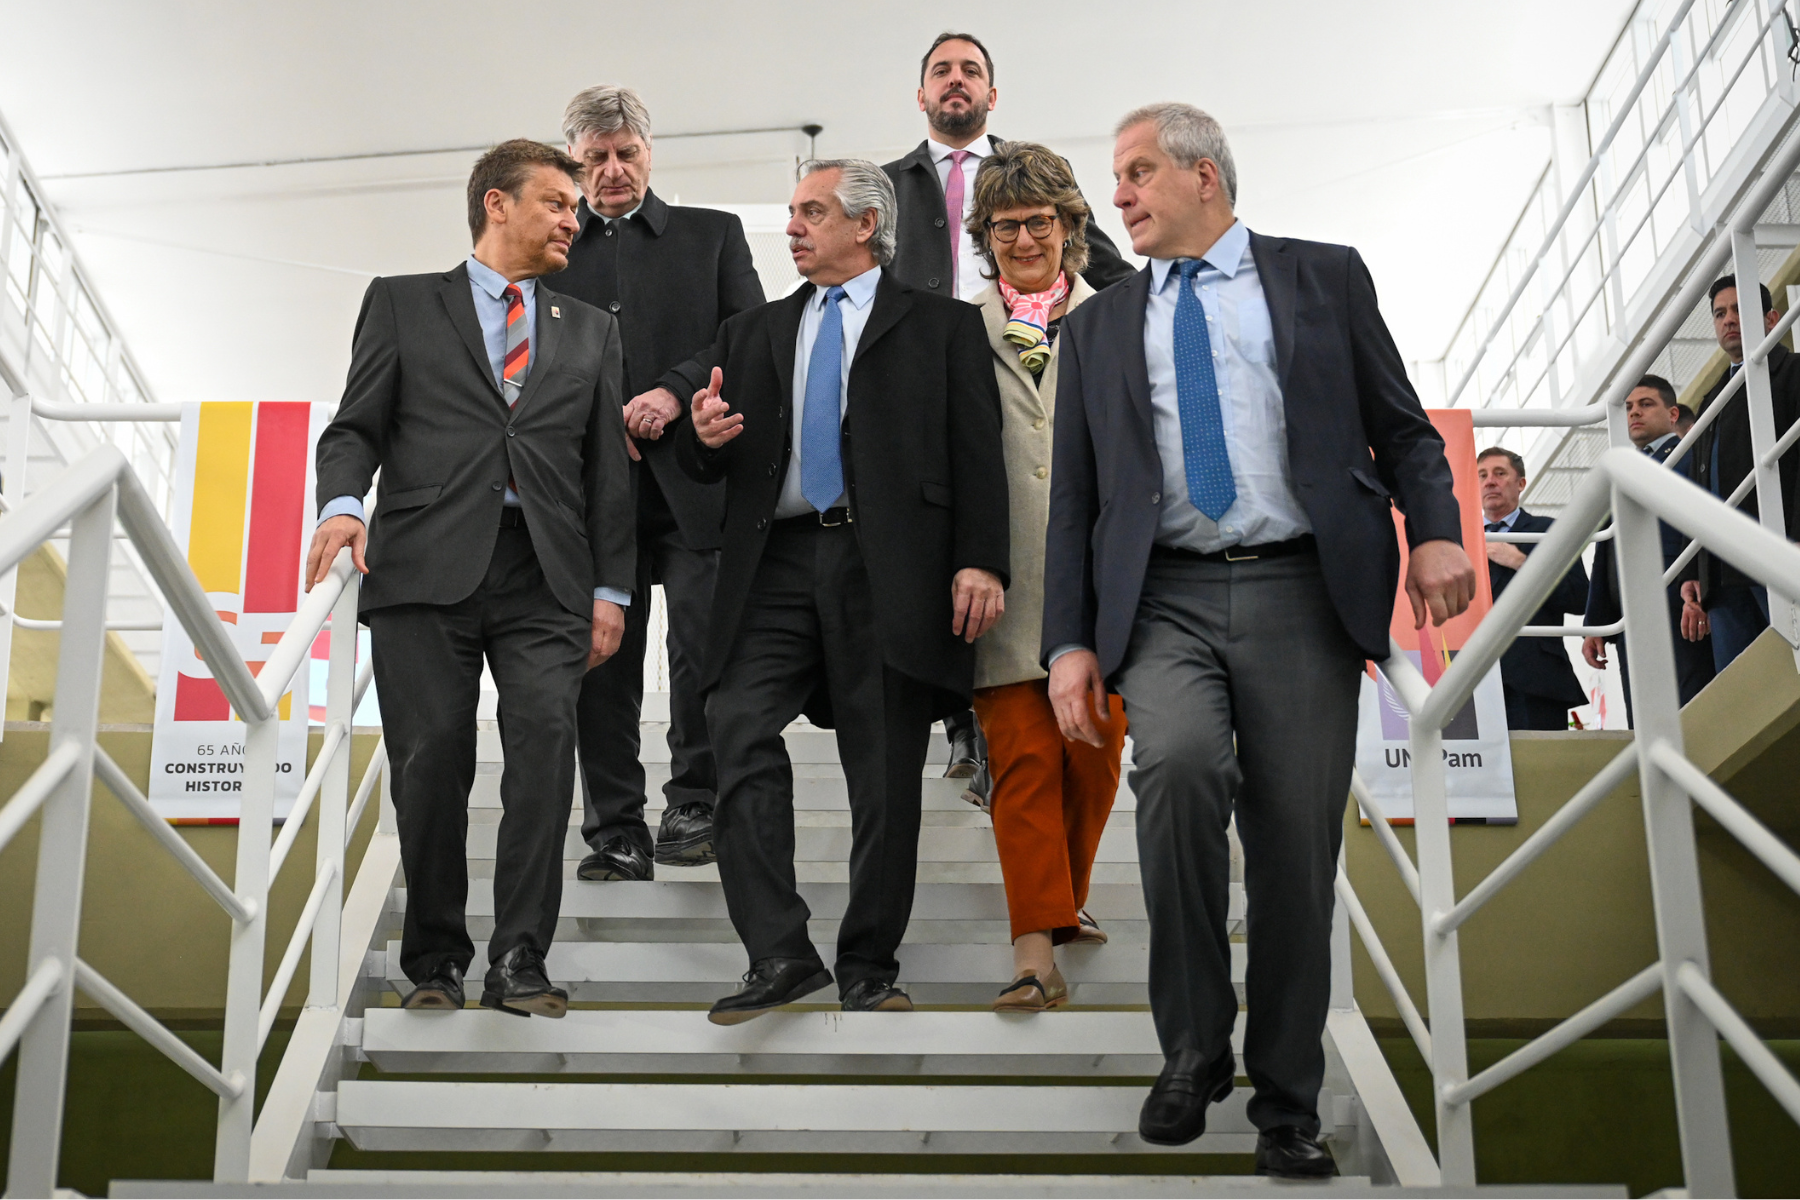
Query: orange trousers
(1050,801)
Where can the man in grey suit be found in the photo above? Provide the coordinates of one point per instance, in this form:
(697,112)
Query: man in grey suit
(1231,425)
(502,530)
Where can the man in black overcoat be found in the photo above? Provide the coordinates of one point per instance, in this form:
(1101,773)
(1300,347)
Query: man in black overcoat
(856,426)
(668,275)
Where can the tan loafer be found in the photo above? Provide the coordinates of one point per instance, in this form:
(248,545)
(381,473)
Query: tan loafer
(1029,994)
(1087,931)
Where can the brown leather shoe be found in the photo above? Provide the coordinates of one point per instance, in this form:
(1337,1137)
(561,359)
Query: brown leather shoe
(1087,931)
(1030,994)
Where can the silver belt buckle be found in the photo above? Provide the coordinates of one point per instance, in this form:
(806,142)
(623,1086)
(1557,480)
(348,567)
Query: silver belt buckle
(834,524)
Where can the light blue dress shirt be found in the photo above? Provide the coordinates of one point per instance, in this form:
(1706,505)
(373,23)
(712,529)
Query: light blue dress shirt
(1250,405)
(859,299)
(1243,345)
(488,287)
(1509,520)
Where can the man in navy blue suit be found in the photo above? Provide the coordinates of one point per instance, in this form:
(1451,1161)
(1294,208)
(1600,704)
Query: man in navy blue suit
(1652,418)
(1538,679)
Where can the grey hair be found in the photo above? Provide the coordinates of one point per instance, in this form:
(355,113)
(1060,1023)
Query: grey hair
(1187,135)
(606,108)
(862,187)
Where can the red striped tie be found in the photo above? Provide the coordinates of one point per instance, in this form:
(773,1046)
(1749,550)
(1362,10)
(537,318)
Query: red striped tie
(518,345)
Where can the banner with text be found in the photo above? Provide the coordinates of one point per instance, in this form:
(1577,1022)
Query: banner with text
(243,513)
(1478,778)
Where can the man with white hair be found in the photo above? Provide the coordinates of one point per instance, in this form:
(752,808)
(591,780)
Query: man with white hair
(856,427)
(1232,426)
(668,275)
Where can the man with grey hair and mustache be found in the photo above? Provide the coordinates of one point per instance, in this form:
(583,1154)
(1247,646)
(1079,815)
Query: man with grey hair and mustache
(856,427)
(668,275)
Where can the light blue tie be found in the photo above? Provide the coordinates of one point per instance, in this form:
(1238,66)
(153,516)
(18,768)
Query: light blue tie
(1210,486)
(821,467)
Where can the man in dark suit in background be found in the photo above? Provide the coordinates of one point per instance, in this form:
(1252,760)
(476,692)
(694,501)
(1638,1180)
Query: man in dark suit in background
(668,275)
(502,530)
(1535,672)
(935,186)
(1652,417)
(856,424)
(1232,425)
(1734,607)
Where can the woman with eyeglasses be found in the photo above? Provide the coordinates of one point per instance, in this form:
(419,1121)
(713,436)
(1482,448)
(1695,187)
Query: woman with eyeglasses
(1050,797)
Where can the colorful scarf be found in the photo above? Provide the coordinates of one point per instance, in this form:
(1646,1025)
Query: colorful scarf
(1030,317)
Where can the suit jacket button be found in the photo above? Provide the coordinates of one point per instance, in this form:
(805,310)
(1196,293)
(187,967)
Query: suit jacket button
(780,413)
(511,432)
(1043,472)
(932,282)
(496,487)
(613,306)
(1156,497)
(762,522)
(939,222)
(772,469)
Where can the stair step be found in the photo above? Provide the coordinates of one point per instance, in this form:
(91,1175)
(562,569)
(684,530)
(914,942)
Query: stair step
(804,744)
(830,1184)
(701,972)
(816,786)
(781,1118)
(662,1042)
(831,843)
(1120,874)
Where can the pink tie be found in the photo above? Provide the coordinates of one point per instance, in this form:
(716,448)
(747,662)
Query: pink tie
(953,210)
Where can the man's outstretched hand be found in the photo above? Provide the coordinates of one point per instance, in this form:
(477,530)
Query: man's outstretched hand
(1440,582)
(714,422)
(330,537)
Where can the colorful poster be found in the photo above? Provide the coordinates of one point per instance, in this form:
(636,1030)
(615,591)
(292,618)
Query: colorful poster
(243,513)
(1478,775)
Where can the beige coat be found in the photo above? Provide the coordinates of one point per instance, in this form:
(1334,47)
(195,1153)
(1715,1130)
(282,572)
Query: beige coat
(1008,653)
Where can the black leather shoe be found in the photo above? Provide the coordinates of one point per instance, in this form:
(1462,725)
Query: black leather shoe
(617,859)
(685,837)
(770,983)
(1174,1112)
(965,751)
(1289,1152)
(518,985)
(979,791)
(443,990)
(876,995)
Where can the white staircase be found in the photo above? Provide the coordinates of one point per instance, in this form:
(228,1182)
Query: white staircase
(635,1066)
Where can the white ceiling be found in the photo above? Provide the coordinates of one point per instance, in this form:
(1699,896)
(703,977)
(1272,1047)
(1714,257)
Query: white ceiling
(1412,129)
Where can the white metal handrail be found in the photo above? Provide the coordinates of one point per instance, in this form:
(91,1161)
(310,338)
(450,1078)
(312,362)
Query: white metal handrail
(1640,495)
(1685,112)
(88,497)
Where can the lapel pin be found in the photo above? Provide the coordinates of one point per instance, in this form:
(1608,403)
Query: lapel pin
(555,311)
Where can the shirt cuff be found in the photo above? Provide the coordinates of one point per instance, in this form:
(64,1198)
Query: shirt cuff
(343,506)
(1061,650)
(622,599)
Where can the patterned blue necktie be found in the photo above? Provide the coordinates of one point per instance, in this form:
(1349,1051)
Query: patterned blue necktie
(1210,486)
(821,467)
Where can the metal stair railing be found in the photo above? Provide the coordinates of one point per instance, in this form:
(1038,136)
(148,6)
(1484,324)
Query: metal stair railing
(89,496)
(1678,151)
(1639,495)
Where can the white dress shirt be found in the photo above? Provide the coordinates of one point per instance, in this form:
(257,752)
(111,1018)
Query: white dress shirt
(859,298)
(1250,403)
(970,282)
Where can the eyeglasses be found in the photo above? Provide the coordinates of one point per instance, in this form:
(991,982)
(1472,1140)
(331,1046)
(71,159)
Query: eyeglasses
(1008,231)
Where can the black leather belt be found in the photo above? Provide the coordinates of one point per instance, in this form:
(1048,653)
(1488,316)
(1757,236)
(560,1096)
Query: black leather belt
(512,517)
(830,518)
(1303,544)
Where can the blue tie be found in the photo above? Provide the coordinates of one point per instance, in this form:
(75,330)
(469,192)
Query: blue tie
(1210,486)
(821,467)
